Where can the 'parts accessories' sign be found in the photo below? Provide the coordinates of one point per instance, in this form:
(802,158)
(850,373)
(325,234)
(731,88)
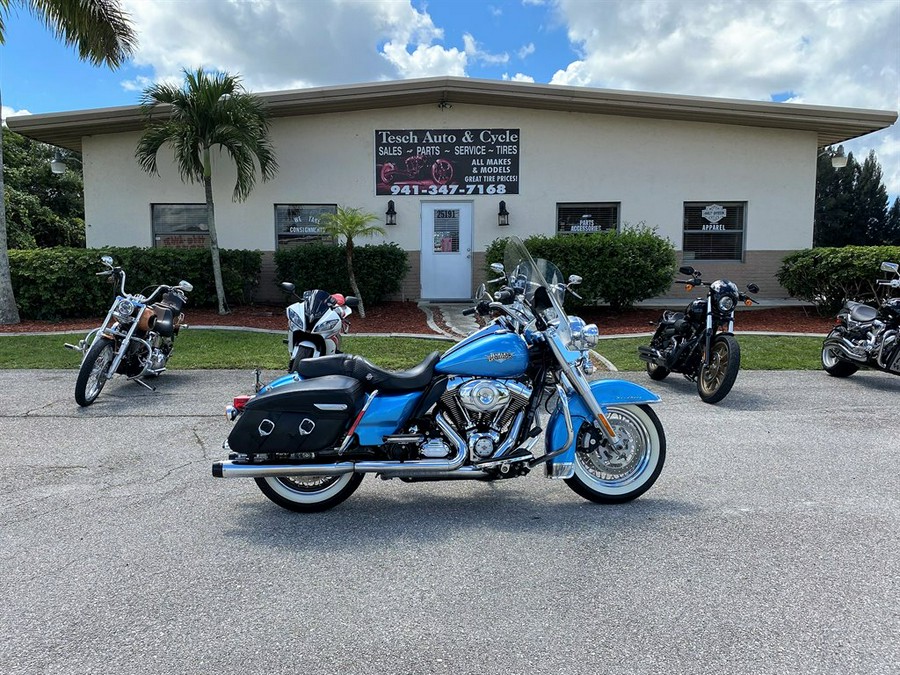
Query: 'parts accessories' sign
(447,162)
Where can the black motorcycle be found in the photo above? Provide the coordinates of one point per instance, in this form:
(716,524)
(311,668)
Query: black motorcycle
(699,342)
(866,337)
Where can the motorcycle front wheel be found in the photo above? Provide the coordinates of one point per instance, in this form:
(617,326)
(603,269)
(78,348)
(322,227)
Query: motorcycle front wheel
(609,476)
(716,379)
(302,353)
(308,494)
(92,375)
(833,364)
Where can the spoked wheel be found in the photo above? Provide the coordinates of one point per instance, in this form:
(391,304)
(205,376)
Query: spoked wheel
(610,476)
(302,353)
(442,171)
(308,494)
(93,373)
(833,364)
(717,379)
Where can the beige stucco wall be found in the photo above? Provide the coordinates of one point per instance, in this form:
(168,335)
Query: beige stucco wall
(650,166)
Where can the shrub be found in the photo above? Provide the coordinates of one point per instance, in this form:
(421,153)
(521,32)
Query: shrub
(618,269)
(380,268)
(827,277)
(55,283)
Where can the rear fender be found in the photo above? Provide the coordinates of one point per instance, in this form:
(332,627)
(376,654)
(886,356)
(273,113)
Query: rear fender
(607,393)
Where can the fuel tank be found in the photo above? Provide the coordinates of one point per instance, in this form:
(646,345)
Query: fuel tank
(491,352)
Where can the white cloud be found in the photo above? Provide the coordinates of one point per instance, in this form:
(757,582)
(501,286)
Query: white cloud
(476,53)
(6,111)
(841,53)
(526,50)
(518,77)
(280,44)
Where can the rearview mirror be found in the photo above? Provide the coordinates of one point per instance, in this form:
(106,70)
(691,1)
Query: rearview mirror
(686,269)
(107,260)
(889,267)
(753,288)
(186,286)
(574,280)
(498,268)
(351,301)
(480,291)
(287,286)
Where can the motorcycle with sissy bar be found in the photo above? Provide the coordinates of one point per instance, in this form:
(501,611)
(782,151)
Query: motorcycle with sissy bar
(135,339)
(475,412)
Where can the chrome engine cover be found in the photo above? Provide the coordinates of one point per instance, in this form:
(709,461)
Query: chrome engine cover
(484,396)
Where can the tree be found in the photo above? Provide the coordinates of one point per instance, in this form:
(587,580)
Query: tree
(892,231)
(42,209)
(851,204)
(349,223)
(210,110)
(103,35)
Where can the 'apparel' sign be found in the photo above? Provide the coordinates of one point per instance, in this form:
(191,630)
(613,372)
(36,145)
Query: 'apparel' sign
(447,162)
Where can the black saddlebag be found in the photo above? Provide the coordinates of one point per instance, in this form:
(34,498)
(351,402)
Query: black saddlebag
(301,416)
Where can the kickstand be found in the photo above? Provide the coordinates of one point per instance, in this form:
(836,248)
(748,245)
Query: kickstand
(143,384)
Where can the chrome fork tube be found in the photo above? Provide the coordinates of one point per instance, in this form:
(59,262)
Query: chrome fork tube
(580,385)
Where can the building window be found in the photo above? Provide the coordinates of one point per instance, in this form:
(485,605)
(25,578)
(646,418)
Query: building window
(714,230)
(179,225)
(587,217)
(299,223)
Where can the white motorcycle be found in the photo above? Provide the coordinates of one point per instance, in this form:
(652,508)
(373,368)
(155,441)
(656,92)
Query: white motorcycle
(315,323)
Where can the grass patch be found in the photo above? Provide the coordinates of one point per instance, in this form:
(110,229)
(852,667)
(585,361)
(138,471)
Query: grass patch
(206,349)
(758,352)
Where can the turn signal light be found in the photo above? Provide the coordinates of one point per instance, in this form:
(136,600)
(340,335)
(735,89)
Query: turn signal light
(239,402)
(748,302)
(689,287)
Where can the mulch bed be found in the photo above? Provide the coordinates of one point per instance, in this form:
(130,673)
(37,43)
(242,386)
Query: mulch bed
(406,317)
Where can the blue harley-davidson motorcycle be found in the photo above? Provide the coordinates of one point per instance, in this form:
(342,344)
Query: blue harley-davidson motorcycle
(474,412)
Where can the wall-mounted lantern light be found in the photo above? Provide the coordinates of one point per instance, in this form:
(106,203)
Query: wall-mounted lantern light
(503,214)
(57,165)
(838,158)
(390,216)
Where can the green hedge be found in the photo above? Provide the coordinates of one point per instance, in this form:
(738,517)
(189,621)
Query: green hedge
(829,276)
(380,269)
(56,283)
(618,269)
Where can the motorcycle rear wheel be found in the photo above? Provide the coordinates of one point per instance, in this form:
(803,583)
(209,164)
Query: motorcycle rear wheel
(833,364)
(92,374)
(657,372)
(607,477)
(309,494)
(716,380)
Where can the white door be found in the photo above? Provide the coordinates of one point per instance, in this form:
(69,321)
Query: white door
(446,271)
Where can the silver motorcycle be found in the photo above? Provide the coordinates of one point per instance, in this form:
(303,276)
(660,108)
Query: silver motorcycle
(135,339)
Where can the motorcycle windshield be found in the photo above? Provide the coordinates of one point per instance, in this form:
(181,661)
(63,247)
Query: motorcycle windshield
(315,304)
(527,275)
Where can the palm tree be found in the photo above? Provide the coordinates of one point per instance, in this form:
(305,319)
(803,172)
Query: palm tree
(103,34)
(349,223)
(210,110)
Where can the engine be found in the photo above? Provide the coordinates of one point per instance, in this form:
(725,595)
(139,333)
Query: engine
(484,412)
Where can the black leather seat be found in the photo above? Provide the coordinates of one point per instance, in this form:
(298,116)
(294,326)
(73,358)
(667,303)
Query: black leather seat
(371,376)
(862,313)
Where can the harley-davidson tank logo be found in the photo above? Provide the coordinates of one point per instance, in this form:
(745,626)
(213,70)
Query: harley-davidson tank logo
(500,356)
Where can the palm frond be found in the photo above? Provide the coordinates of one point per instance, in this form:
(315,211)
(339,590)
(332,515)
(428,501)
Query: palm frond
(99,29)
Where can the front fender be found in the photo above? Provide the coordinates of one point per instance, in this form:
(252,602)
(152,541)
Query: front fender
(607,393)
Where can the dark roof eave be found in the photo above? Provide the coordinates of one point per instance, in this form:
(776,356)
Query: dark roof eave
(831,124)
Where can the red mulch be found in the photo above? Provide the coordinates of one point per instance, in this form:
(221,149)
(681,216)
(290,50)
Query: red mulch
(406,317)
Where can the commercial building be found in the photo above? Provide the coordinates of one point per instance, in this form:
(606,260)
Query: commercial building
(452,163)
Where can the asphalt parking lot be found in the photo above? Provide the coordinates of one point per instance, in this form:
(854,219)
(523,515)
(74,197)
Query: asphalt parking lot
(770,544)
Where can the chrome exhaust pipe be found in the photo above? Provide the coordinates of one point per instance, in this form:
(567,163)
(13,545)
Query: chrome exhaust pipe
(416,468)
(846,348)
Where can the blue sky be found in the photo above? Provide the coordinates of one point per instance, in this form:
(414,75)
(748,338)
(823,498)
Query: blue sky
(825,52)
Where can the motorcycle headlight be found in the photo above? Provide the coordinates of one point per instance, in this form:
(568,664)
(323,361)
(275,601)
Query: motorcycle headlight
(326,326)
(124,311)
(584,336)
(295,320)
(726,303)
